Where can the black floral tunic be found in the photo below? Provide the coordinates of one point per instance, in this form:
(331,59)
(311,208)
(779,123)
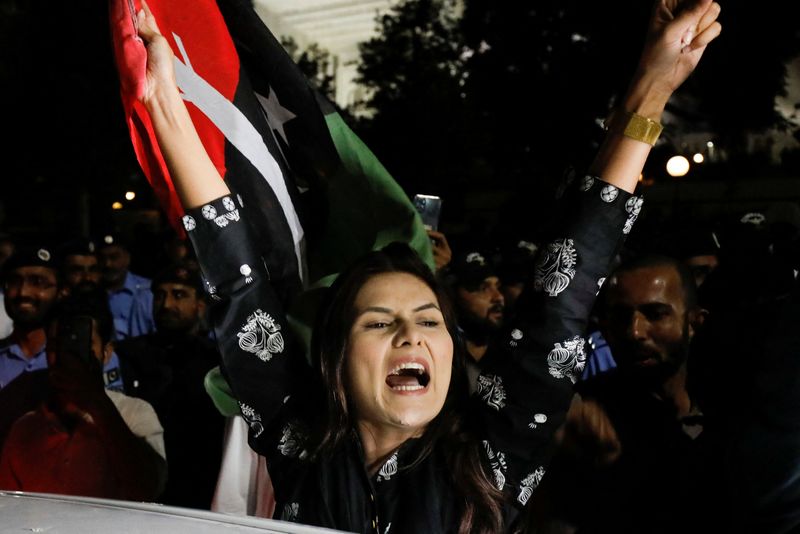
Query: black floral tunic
(522,397)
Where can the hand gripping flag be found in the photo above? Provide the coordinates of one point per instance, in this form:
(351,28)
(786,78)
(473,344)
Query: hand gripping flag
(270,135)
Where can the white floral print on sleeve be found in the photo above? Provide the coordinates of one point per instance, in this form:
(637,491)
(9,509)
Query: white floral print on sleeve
(555,268)
(567,359)
(261,336)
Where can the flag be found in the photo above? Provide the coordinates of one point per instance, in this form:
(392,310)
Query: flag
(271,135)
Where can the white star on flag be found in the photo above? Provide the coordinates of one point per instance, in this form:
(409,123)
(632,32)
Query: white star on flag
(277,115)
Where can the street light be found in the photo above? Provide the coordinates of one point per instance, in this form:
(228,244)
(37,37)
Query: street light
(677,166)
(130,195)
(116,206)
(698,158)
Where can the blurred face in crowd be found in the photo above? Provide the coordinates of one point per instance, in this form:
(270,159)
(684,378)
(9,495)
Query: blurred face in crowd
(399,354)
(81,271)
(701,266)
(481,307)
(176,250)
(68,374)
(511,292)
(114,263)
(648,326)
(30,293)
(176,307)
(6,250)
(99,349)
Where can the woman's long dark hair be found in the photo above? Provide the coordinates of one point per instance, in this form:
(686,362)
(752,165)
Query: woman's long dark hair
(481,501)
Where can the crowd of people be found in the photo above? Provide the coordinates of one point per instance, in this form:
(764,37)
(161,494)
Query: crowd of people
(568,384)
(103,409)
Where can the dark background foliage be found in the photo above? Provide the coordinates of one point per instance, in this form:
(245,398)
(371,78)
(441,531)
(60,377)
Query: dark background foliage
(505,99)
(485,110)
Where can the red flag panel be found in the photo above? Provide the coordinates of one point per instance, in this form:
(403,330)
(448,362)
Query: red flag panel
(198,36)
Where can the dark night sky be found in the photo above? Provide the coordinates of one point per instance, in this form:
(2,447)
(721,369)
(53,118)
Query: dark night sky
(68,130)
(67,141)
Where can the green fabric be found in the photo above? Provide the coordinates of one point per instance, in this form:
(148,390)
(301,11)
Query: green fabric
(367,209)
(220,392)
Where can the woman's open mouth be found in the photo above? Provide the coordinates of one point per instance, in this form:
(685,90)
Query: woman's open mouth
(408,376)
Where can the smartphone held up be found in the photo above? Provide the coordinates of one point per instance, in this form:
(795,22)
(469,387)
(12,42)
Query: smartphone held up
(429,208)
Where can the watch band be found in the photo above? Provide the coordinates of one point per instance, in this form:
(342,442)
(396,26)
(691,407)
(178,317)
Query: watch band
(634,126)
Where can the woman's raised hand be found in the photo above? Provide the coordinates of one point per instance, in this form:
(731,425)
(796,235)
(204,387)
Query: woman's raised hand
(194,175)
(160,70)
(678,34)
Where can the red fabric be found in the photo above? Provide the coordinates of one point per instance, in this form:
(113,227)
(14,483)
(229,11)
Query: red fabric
(212,55)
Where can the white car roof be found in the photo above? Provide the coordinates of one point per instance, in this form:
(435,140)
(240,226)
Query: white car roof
(60,514)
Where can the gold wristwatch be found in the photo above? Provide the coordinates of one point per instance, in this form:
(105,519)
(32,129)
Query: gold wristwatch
(634,126)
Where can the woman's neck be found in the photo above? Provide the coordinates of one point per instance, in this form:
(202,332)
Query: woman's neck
(379,442)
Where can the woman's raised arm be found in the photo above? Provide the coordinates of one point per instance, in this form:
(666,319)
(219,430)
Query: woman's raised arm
(678,34)
(526,384)
(195,177)
(259,356)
